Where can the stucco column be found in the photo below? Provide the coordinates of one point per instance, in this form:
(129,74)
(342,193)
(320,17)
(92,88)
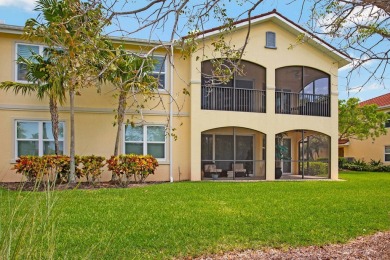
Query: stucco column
(334,164)
(195,142)
(270,156)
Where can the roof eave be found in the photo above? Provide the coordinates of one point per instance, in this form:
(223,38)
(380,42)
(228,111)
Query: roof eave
(341,58)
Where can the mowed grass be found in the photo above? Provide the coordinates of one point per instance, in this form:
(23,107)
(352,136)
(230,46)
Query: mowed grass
(191,219)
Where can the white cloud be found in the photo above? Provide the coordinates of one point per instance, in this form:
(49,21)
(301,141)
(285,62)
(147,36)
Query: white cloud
(359,15)
(356,62)
(27,5)
(367,88)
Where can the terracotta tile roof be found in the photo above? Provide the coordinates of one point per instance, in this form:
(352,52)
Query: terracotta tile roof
(381,101)
(343,141)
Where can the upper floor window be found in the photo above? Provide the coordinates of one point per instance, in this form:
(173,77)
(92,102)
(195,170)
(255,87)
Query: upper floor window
(36,138)
(387,153)
(387,124)
(147,139)
(270,40)
(159,71)
(25,51)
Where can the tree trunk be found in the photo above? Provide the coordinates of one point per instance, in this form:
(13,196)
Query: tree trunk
(120,118)
(72,175)
(54,123)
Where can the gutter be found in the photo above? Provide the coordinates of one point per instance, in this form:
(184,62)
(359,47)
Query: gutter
(171,118)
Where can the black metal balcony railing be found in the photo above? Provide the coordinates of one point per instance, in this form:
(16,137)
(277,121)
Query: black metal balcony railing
(233,99)
(302,104)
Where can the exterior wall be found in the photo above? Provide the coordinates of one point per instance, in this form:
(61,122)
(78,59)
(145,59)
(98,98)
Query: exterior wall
(369,149)
(94,112)
(268,123)
(94,116)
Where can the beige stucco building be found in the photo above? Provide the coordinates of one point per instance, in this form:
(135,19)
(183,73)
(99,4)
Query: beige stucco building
(367,150)
(230,128)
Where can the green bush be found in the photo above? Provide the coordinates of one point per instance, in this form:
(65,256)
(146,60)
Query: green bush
(316,168)
(361,165)
(342,162)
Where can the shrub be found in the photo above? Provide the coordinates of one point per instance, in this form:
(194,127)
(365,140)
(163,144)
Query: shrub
(31,167)
(91,167)
(342,162)
(316,169)
(361,165)
(131,165)
(35,167)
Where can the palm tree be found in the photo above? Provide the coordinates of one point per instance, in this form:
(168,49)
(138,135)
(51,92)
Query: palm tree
(42,85)
(74,26)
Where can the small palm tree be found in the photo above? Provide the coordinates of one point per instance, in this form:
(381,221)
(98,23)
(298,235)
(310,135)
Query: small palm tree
(41,84)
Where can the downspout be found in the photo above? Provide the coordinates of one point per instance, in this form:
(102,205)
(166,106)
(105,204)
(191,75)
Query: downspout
(171,118)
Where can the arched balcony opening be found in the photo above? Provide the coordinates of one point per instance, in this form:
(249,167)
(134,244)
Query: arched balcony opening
(302,91)
(244,91)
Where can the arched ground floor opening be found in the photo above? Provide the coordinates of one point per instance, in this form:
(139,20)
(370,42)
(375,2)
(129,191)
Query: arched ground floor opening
(233,153)
(302,154)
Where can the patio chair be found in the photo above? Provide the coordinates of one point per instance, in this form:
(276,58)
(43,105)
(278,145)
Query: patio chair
(210,169)
(239,170)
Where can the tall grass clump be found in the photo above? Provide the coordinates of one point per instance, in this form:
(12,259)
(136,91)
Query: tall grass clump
(30,227)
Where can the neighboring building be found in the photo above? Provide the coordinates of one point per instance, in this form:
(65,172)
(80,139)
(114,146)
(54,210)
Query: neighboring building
(283,90)
(378,149)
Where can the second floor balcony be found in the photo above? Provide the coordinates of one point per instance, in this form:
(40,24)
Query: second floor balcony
(302,104)
(252,100)
(233,99)
(299,90)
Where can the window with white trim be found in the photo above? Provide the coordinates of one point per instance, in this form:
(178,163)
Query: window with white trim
(25,51)
(387,124)
(36,138)
(387,153)
(159,71)
(270,40)
(147,139)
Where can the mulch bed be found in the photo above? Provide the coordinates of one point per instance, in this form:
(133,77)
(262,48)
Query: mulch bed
(30,186)
(376,246)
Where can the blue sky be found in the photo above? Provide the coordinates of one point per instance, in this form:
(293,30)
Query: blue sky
(15,12)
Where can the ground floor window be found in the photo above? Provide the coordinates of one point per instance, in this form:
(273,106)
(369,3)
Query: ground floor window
(36,138)
(147,139)
(387,153)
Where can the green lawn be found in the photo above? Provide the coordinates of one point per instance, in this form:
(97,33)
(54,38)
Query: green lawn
(190,219)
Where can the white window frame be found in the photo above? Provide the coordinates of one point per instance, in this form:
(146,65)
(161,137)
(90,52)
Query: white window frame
(384,156)
(145,141)
(266,40)
(162,73)
(40,135)
(387,123)
(41,48)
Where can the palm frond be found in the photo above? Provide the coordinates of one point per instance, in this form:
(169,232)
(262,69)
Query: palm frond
(23,88)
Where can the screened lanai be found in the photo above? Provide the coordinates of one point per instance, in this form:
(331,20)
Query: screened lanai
(233,153)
